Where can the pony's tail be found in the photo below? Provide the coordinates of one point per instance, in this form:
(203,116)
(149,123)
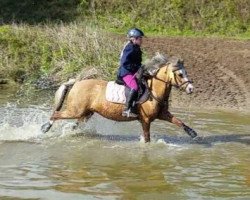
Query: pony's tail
(59,99)
(61,94)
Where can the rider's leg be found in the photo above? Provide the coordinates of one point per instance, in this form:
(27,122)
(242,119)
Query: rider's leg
(129,104)
(131,82)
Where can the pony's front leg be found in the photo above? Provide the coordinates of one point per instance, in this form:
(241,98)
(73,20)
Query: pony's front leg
(146,131)
(166,115)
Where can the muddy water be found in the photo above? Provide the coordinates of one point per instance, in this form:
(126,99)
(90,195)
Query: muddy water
(105,160)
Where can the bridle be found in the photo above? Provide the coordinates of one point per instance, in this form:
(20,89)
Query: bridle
(175,79)
(164,102)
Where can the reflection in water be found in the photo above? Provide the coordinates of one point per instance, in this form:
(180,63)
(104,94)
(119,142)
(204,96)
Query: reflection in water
(89,168)
(105,160)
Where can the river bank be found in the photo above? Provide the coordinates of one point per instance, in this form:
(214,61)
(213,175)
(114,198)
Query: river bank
(45,56)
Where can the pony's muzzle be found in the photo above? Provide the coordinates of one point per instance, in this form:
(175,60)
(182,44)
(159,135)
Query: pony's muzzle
(189,88)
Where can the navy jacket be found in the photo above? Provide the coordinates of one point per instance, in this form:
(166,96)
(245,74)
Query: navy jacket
(130,61)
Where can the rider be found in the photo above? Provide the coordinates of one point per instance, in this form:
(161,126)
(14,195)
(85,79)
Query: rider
(130,63)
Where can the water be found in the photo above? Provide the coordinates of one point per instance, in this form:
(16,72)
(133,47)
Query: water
(105,160)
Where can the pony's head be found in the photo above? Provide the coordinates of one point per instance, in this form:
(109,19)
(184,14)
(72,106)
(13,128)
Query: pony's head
(169,70)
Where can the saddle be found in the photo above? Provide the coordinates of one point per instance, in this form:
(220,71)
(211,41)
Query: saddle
(117,92)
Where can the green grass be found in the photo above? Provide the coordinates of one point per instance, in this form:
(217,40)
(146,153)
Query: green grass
(224,18)
(58,51)
(229,18)
(62,39)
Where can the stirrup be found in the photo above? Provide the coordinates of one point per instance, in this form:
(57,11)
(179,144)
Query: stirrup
(128,113)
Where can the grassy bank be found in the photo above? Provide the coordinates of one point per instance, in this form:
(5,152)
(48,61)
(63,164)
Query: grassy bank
(174,17)
(49,39)
(229,18)
(58,52)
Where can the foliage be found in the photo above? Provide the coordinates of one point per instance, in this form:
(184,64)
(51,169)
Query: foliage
(37,11)
(50,38)
(58,51)
(223,17)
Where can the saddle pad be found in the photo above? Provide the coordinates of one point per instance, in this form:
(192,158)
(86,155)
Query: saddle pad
(115,93)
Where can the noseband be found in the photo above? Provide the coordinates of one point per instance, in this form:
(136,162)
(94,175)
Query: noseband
(175,79)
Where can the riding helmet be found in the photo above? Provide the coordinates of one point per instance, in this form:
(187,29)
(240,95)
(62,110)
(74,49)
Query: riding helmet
(135,32)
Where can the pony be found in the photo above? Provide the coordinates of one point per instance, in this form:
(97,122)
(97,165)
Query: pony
(87,97)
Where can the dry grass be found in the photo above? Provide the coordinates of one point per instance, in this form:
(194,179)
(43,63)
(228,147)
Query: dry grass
(58,51)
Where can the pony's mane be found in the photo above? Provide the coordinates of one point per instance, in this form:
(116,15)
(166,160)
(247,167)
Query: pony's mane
(160,60)
(156,62)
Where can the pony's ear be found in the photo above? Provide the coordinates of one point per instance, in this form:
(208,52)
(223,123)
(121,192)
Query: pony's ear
(181,61)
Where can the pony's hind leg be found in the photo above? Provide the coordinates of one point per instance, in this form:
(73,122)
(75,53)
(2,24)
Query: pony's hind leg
(59,99)
(55,116)
(46,127)
(83,119)
(66,114)
(58,115)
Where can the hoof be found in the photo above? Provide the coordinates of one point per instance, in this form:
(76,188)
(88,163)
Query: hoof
(190,131)
(144,140)
(45,128)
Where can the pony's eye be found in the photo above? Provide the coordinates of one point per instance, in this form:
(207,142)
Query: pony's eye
(181,75)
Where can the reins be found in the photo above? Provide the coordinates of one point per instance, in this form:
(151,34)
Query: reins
(152,96)
(164,102)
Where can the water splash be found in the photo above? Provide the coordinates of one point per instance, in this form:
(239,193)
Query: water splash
(20,124)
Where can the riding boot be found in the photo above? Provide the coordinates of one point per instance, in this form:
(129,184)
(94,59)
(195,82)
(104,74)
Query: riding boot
(129,107)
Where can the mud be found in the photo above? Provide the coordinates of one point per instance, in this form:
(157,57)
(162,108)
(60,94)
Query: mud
(220,69)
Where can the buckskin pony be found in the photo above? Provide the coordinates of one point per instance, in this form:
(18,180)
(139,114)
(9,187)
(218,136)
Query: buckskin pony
(88,97)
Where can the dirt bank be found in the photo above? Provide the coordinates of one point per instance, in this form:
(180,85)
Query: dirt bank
(220,69)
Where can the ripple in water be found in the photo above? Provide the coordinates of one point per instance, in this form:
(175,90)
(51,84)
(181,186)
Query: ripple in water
(105,160)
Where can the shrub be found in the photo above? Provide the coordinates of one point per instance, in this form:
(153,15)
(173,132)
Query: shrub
(61,51)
